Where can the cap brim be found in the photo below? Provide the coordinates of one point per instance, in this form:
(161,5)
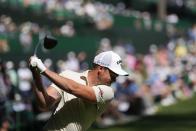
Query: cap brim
(120,72)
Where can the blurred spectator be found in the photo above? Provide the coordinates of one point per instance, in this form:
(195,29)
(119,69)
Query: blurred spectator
(11,71)
(100,16)
(172,18)
(105,45)
(119,49)
(162,56)
(25,79)
(4,45)
(5,125)
(82,60)
(72,62)
(150,63)
(60,65)
(149,104)
(13,77)
(130,59)
(26,38)
(147,20)
(68,29)
(127,102)
(192,33)
(4,23)
(140,72)
(5,87)
(126,95)
(181,49)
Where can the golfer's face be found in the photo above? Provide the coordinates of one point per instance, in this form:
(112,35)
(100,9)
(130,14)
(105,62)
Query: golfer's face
(107,76)
(112,76)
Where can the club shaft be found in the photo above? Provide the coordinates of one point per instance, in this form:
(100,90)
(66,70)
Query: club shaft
(36,48)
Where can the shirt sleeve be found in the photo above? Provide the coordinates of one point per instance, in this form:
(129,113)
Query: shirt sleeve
(103,93)
(60,91)
(57,88)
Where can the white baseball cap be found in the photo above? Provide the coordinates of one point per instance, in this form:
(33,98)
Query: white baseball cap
(110,60)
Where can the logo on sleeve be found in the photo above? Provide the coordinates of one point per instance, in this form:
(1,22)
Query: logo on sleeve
(100,92)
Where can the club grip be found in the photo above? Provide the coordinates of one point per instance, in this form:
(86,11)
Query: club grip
(33,63)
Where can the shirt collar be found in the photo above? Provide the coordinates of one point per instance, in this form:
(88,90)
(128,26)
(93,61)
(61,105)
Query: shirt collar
(84,76)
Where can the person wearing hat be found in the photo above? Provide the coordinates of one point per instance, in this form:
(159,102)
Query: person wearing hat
(76,99)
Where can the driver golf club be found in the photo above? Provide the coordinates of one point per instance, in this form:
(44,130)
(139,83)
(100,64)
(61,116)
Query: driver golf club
(48,42)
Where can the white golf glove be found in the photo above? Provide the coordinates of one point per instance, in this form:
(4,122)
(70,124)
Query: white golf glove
(35,62)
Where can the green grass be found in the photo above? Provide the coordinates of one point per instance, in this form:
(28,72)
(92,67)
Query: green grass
(178,117)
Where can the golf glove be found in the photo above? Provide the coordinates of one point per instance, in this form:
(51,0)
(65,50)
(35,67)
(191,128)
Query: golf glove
(35,62)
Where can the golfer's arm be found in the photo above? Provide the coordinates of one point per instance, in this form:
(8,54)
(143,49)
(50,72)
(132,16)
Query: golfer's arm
(70,86)
(45,98)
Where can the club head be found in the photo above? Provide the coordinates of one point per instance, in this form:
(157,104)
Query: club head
(49,42)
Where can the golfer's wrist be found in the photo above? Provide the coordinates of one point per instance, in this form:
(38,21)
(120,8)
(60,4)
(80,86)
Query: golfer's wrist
(42,69)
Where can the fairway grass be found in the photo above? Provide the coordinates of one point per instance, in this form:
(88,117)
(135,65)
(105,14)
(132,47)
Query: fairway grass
(178,117)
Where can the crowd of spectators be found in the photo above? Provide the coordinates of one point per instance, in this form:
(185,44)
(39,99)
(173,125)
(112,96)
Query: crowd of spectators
(26,31)
(97,13)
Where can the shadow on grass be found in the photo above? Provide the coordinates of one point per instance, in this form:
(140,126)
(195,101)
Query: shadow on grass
(167,122)
(159,122)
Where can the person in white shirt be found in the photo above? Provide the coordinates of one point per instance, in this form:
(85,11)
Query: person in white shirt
(76,99)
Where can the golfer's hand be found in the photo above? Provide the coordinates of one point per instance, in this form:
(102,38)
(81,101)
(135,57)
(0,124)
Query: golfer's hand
(36,62)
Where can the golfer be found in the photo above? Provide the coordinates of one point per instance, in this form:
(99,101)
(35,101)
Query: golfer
(76,99)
